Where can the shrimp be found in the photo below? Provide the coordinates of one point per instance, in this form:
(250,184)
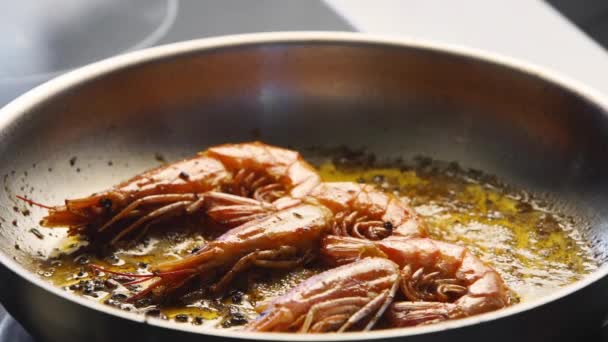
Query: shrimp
(352,296)
(332,199)
(363,211)
(440,280)
(283,240)
(254,174)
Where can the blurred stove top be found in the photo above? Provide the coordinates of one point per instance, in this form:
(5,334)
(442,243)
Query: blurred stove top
(39,42)
(10,330)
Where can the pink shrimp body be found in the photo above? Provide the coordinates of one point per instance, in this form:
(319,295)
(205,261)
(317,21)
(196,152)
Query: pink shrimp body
(282,240)
(335,300)
(440,280)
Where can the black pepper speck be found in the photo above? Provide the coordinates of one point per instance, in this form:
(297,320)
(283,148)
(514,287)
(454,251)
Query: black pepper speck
(236,318)
(106,203)
(119,297)
(181,318)
(236,296)
(153,312)
(159,157)
(37,233)
(184,176)
(143,302)
(99,285)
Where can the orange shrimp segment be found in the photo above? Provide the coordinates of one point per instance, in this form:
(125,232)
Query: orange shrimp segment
(351,297)
(282,165)
(440,280)
(363,211)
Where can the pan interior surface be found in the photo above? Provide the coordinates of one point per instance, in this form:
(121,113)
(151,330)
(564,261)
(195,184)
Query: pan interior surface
(390,100)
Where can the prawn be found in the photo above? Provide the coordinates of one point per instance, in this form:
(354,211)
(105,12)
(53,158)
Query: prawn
(352,296)
(283,240)
(439,280)
(235,183)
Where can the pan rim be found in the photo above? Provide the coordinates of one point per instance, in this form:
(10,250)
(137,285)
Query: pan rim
(55,86)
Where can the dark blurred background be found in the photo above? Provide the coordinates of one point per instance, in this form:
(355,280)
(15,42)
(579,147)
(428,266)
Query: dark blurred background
(591,16)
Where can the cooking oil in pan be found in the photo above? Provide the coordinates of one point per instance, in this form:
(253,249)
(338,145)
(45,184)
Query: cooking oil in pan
(535,249)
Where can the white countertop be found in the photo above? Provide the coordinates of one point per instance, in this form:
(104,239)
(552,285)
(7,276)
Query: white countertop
(529,30)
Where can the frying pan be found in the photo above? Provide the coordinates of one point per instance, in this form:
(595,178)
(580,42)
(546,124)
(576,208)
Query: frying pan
(396,98)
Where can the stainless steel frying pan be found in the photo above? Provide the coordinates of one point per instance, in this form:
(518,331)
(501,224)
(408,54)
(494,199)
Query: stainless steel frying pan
(395,98)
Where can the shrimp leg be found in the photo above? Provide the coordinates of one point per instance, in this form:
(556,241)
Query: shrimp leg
(265,174)
(405,314)
(281,258)
(378,305)
(152,199)
(233,209)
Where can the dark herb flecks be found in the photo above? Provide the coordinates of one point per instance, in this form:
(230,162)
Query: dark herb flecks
(106,203)
(181,318)
(184,176)
(37,233)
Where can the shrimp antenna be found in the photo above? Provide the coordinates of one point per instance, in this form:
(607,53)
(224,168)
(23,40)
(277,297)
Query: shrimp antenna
(141,278)
(32,202)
